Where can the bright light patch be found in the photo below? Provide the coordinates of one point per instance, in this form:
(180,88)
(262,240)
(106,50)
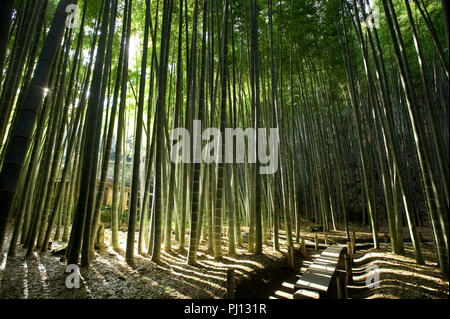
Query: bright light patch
(133,50)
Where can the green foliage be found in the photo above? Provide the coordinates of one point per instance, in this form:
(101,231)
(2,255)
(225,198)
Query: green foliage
(105,216)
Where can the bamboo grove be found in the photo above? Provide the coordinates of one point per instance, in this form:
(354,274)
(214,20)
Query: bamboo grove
(361,109)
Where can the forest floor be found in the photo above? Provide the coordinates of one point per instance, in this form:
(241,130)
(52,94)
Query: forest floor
(381,274)
(43,276)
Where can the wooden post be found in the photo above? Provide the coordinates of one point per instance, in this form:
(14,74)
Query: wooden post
(326,239)
(231,286)
(350,251)
(353,242)
(339,284)
(303,248)
(291,260)
(348,264)
(316,242)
